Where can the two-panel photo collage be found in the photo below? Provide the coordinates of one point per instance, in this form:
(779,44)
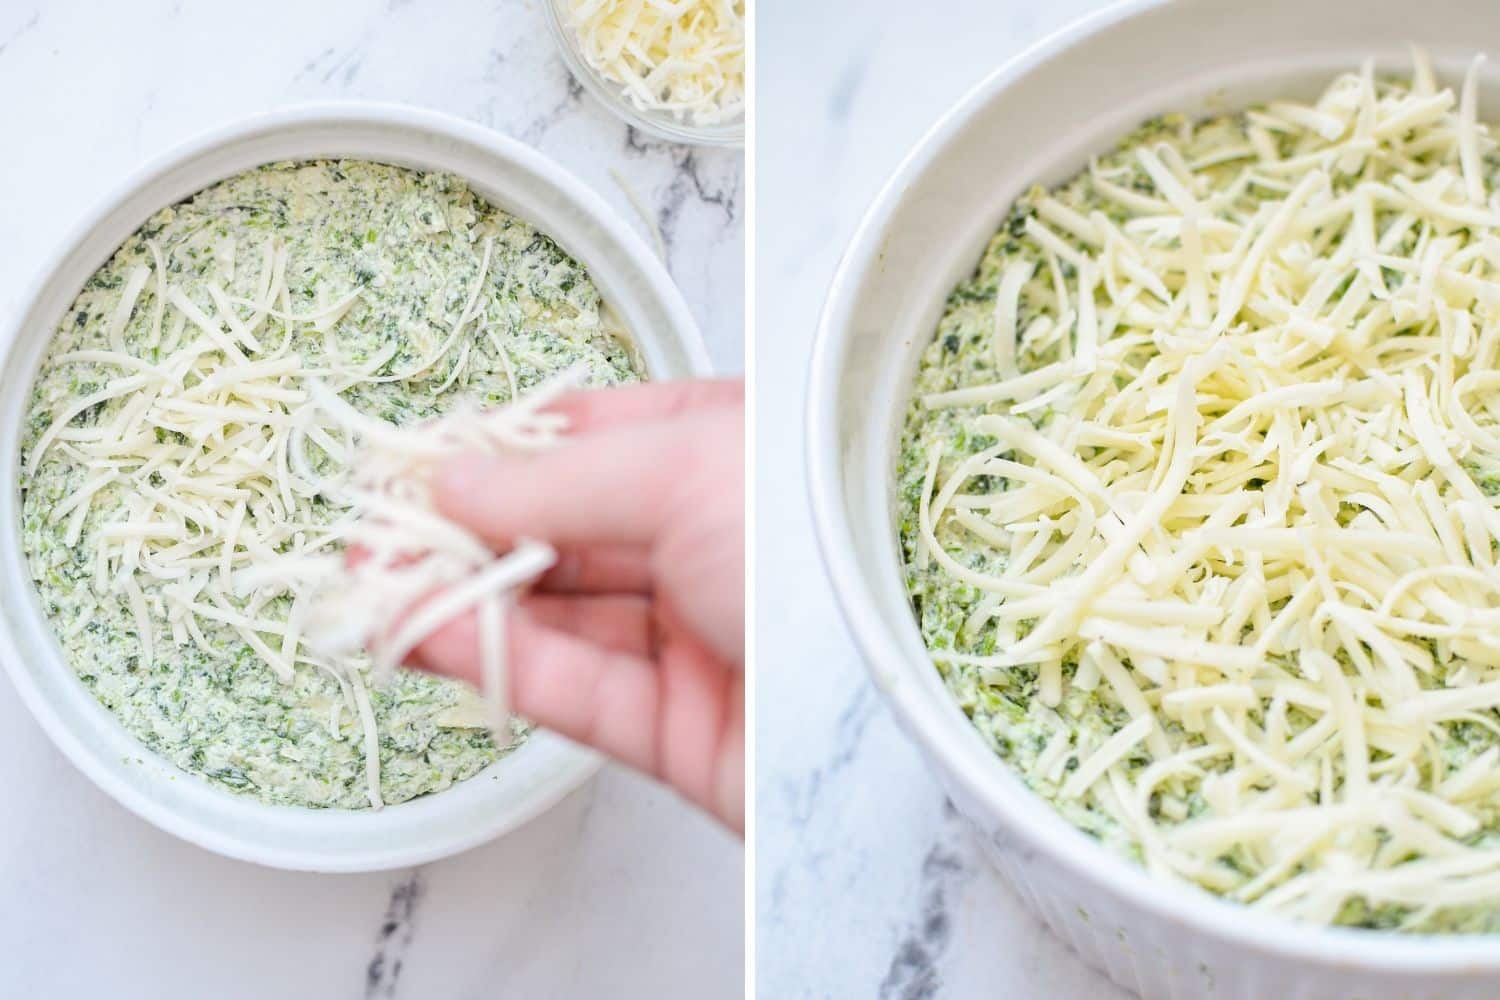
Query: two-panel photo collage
(716,499)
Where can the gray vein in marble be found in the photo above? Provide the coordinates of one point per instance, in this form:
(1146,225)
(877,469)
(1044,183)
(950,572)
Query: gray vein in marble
(312,64)
(147,106)
(31,22)
(804,793)
(690,183)
(345,67)
(846,87)
(519,49)
(544,123)
(394,938)
(913,974)
(849,731)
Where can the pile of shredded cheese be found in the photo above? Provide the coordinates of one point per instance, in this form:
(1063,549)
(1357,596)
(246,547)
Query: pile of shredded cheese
(1247,501)
(685,58)
(223,442)
(416,570)
(205,442)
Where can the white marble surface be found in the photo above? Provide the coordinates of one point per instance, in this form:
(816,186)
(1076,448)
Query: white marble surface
(620,891)
(867,884)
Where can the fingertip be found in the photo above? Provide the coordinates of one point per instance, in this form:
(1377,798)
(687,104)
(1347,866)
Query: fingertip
(454,479)
(467,489)
(450,651)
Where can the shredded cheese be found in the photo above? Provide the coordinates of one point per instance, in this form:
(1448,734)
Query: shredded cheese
(1263,478)
(209,452)
(686,59)
(416,568)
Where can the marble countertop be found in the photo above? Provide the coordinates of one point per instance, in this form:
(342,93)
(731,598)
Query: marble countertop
(867,883)
(622,890)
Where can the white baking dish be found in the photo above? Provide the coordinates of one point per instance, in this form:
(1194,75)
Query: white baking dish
(1039,118)
(514,789)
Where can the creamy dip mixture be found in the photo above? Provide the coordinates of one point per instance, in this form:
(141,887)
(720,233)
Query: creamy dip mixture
(388,260)
(1289,781)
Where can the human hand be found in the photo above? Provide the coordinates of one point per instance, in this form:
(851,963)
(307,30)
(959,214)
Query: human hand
(634,643)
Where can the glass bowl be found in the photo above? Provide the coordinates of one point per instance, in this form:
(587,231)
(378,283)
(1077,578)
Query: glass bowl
(661,124)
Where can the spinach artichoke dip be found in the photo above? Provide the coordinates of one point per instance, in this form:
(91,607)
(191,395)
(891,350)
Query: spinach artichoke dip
(1197,499)
(168,448)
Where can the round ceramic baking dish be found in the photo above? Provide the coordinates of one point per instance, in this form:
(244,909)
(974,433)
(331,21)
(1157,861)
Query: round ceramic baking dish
(509,792)
(1038,118)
